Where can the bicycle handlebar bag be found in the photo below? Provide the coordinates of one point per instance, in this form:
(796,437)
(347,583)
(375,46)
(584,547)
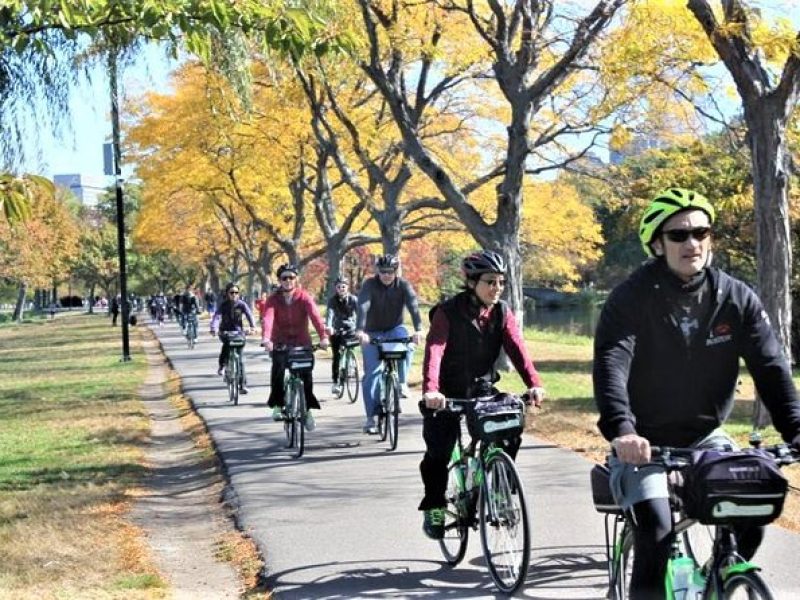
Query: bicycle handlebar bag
(352,342)
(495,419)
(601,491)
(235,339)
(733,487)
(393,351)
(300,359)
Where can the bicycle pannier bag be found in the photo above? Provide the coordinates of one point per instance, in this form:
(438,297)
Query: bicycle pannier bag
(494,420)
(733,487)
(300,359)
(394,351)
(601,491)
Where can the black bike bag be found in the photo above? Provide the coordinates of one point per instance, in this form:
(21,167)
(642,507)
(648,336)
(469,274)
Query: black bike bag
(723,487)
(496,418)
(601,491)
(300,360)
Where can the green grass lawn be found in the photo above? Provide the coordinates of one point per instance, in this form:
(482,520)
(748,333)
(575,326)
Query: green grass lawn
(71,448)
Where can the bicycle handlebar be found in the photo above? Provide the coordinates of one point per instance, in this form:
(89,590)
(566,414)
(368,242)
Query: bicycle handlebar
(675,458)
(456,405)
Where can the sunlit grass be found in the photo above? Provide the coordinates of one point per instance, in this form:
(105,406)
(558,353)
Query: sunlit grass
(71,447)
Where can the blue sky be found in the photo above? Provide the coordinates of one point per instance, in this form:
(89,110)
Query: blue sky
(82,150)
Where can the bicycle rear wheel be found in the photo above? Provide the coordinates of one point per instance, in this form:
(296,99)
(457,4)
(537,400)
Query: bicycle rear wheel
(457,515)
(352,379)
(298,422)
(505,531)
(746,586)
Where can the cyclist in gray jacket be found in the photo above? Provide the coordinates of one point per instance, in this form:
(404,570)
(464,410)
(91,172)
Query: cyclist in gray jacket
(666,363)
(381,301)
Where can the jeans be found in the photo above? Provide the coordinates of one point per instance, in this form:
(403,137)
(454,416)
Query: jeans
(372,368)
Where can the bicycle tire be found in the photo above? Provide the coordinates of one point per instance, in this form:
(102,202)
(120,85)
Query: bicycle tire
(237,374)
(299,418)
(352,377)
(503,516)
(340,379)
(230,372)
(746,586)
(383,421)
(393,414)
(621,565)
(288,421)
(457,515)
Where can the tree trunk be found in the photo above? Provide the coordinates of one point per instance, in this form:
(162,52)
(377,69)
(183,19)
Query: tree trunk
(19,309)
(770,163)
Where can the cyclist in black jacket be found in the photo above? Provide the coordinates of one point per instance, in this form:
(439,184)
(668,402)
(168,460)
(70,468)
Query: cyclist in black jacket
(666,363)
(340,323)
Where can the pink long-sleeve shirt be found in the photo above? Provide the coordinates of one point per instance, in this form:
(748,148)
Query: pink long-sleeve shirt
(287,323)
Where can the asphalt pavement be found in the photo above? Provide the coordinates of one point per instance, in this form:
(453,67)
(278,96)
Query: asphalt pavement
(342,521)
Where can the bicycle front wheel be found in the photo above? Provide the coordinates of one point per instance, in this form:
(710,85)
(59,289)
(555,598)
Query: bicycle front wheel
(289,415)
(352,379)
(236,373)
(383,416)
(746,586)
(621,566)
(457,515)
(393,413)
(298,422)
(505,531)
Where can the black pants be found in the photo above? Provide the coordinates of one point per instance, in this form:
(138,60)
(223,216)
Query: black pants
(652,543)
(276,392)
(440,432)
(223,358)
(337,343)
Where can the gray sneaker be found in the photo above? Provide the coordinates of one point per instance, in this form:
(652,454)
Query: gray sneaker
(310,423)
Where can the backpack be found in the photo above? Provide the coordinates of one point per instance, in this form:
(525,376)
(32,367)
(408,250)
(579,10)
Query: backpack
(723,487)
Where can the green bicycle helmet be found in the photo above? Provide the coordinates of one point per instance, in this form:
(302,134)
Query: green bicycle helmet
(669,202)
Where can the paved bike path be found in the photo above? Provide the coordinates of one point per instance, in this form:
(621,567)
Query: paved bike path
(341,522)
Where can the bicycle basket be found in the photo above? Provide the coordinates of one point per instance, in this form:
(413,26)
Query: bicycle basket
(235,338)
(733,487)
(393,351)
(494,421)
(300,360)
(601,491)
(352,342)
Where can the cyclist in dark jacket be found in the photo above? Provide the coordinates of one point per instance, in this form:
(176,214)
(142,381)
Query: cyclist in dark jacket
(465,339)
(666,363)
(229,316)
(340,323)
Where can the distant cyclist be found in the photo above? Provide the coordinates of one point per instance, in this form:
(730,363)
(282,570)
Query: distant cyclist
(340,323)
(229,316)
(381,301)
(286,321)
(189,307)
(666,362)
(467,333)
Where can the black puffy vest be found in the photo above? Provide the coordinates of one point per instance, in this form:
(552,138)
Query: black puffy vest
(470,353)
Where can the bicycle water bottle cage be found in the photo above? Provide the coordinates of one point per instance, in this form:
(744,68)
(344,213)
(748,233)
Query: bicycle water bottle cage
(234,338)
(392,351)
(300,360)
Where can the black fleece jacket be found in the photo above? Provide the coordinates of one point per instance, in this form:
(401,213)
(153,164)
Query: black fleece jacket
(647,381)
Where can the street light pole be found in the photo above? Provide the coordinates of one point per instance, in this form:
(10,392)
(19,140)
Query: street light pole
(123,277)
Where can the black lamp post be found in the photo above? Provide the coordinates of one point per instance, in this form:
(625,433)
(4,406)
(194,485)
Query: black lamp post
(123,277)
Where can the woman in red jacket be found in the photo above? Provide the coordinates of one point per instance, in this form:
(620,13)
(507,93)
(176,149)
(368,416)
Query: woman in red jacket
(285,323)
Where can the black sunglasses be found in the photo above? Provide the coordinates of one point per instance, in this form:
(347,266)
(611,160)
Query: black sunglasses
(387,271)
(681,235)
(232,292)
(288,277)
